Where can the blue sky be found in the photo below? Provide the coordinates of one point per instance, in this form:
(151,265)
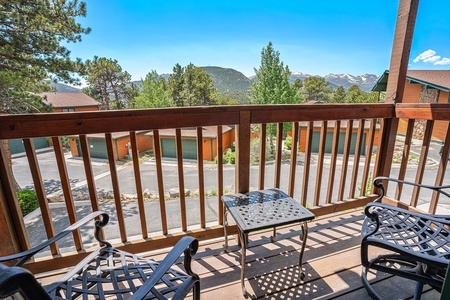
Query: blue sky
(314,37)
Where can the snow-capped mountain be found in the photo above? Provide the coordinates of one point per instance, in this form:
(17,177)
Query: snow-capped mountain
(365,82)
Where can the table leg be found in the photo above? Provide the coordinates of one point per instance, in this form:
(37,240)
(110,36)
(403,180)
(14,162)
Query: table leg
(303,238)
(244,241)
(273,238)
(225,227)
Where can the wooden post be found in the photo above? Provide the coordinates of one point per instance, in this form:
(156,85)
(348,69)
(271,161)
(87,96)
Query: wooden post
(403,36)
(12,228)
(243,153)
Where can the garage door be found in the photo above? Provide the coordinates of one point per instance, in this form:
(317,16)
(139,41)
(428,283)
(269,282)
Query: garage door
(16,145)
(169,148)
(329,143)
(97,148)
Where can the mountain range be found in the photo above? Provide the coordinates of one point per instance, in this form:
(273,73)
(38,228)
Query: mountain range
(236,85)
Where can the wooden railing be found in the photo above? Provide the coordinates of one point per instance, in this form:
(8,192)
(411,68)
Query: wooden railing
(324,182)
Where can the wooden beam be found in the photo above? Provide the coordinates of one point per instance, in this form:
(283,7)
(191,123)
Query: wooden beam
(404,30)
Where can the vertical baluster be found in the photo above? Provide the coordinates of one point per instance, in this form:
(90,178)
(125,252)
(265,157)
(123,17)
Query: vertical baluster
(65,184)
(40,192)
(278,154)
(219,141)
(441,171)
(138,181)
(262,156)
(90,176)
(321,156)
(115,185)
(307,166)
(179,147)
(405,158)
(345,158)
(369,149)
(356,158)
(422,161)
(293,165)
(159,175)
(334,153)
(201,176)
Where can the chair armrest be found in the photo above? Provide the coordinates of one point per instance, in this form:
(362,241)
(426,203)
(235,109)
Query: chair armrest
(380,212)
(19,280)
(378,182)
(25,255)
(189,246)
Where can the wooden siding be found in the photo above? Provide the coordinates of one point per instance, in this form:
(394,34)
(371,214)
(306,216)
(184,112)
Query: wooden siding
(77,108)
(412,95)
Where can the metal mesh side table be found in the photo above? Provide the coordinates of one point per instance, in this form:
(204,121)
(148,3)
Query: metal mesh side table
(263,209)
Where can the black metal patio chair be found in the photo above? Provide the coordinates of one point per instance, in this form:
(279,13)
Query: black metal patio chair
(413,245)
(105,273)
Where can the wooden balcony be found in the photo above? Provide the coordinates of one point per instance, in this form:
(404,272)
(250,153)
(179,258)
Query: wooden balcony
(326,183)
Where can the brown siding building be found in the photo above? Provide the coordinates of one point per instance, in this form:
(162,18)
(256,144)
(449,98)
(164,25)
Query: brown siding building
(423,86)
(67,102)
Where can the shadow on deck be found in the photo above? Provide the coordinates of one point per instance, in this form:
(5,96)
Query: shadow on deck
(331,263)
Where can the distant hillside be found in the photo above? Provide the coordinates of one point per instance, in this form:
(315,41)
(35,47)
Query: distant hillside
(230,83)
(64,88)
(228,80)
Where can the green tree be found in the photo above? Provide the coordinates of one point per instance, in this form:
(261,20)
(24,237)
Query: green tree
(31,34)
(225,100)
(153,92)
(108,83)
(31,52)
(339,95)
(316,88)
(373,97)
(175,85)
(298,86)
(272,86)
(355,95)
(191,86)
(272,80)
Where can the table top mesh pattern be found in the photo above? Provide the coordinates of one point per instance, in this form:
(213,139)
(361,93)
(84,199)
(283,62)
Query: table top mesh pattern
(264,209)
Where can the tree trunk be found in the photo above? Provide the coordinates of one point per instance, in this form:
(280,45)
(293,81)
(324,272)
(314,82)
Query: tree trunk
(8,155)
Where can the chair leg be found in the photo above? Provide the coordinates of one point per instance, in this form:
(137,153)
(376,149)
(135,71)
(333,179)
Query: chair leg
(367,285)
(418,291)
(196,291)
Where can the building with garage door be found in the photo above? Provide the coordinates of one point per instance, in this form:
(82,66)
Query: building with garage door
(317,126)
(189,141)
(121,144)
(60,102)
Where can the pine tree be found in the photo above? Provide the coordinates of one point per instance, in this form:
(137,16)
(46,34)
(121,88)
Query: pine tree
(272,80)
(356,95)
(153,92)
(175,85)
(316,88)
(339,95)
(108,82)
(31,52)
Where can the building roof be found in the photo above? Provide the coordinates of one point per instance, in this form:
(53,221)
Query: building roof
(332,124)
(207,132)
(435,79)
(114,135)
(57,99)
